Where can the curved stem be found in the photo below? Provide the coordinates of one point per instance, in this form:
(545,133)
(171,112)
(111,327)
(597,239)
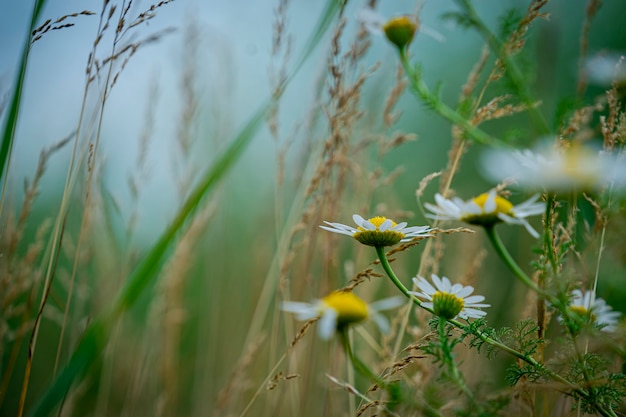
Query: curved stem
(513,72)
(504,254)
(382,256)
(423,92)
(360,367)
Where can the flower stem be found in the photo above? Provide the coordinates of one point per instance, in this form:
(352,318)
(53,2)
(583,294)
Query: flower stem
(382,256)
(453,371)
(513,72)
(421,90)
(504,254)
(360,367)
(548,235)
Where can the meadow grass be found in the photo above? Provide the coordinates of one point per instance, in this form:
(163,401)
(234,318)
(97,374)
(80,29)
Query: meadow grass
(200,321)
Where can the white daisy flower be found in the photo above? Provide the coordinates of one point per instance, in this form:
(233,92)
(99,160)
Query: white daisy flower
(341,309)
(378,231)
(597,312)
(604,68)
(448,300)
(577,168)
(486,210)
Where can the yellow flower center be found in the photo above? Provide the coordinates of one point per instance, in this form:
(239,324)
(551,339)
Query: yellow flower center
(447,305)
(400,30)
(378,237)
(582,312)
(350,308)
(488,218)
(577,165)
(502,205)
(378,221)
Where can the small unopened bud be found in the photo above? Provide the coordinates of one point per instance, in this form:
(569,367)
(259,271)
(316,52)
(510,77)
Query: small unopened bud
(400,30)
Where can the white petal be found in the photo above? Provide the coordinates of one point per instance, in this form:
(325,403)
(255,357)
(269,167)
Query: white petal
(303,311)
(386,225)
(472,313)
(428,31)
(471,207)
(327,324)
(372,21)
(467,290)
(367,225)
(382,322)
(400,226)
(477,305)
(424,285)
(387,303)
(490,204)
(358,219)
(474,299)
(447,285)
(415,230)
(530,230)
(422,295)
(434,208)
(339,231)
(295,306)
(455,289)
(341,226)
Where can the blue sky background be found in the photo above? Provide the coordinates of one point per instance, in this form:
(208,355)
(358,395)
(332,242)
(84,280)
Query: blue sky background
(233,65)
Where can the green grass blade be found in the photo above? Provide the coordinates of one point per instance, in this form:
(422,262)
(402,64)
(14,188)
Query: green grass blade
(95,337)
(328,15)
(94,340)
(89,349)
(144,272)
(8,131)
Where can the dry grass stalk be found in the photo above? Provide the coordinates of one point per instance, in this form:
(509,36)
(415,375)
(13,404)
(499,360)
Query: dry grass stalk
(493,110)
(21,272)
(238,380)
(174,313)
(389,116)
(583,42)
(58,24)
(517,40)
(474,75)
(279,377)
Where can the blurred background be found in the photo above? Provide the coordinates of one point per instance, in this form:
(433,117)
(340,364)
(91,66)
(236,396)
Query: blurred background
(208,331)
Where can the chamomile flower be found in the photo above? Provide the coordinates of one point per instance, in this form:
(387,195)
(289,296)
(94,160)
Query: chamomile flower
(486,210)
(399,30)
(597,312)
(449,300)
(558,169)
(378,231)
(341,309)
(606,68)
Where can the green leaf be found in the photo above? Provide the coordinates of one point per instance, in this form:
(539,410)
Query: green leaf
(95,339)
(8,131)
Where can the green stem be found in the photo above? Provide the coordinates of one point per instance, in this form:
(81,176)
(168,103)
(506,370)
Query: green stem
(504,254)
(382,256)
(360,367)
(454,373)
(512,71)
(423,92)
(548,236)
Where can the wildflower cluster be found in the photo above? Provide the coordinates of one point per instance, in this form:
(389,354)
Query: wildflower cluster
(458,312)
